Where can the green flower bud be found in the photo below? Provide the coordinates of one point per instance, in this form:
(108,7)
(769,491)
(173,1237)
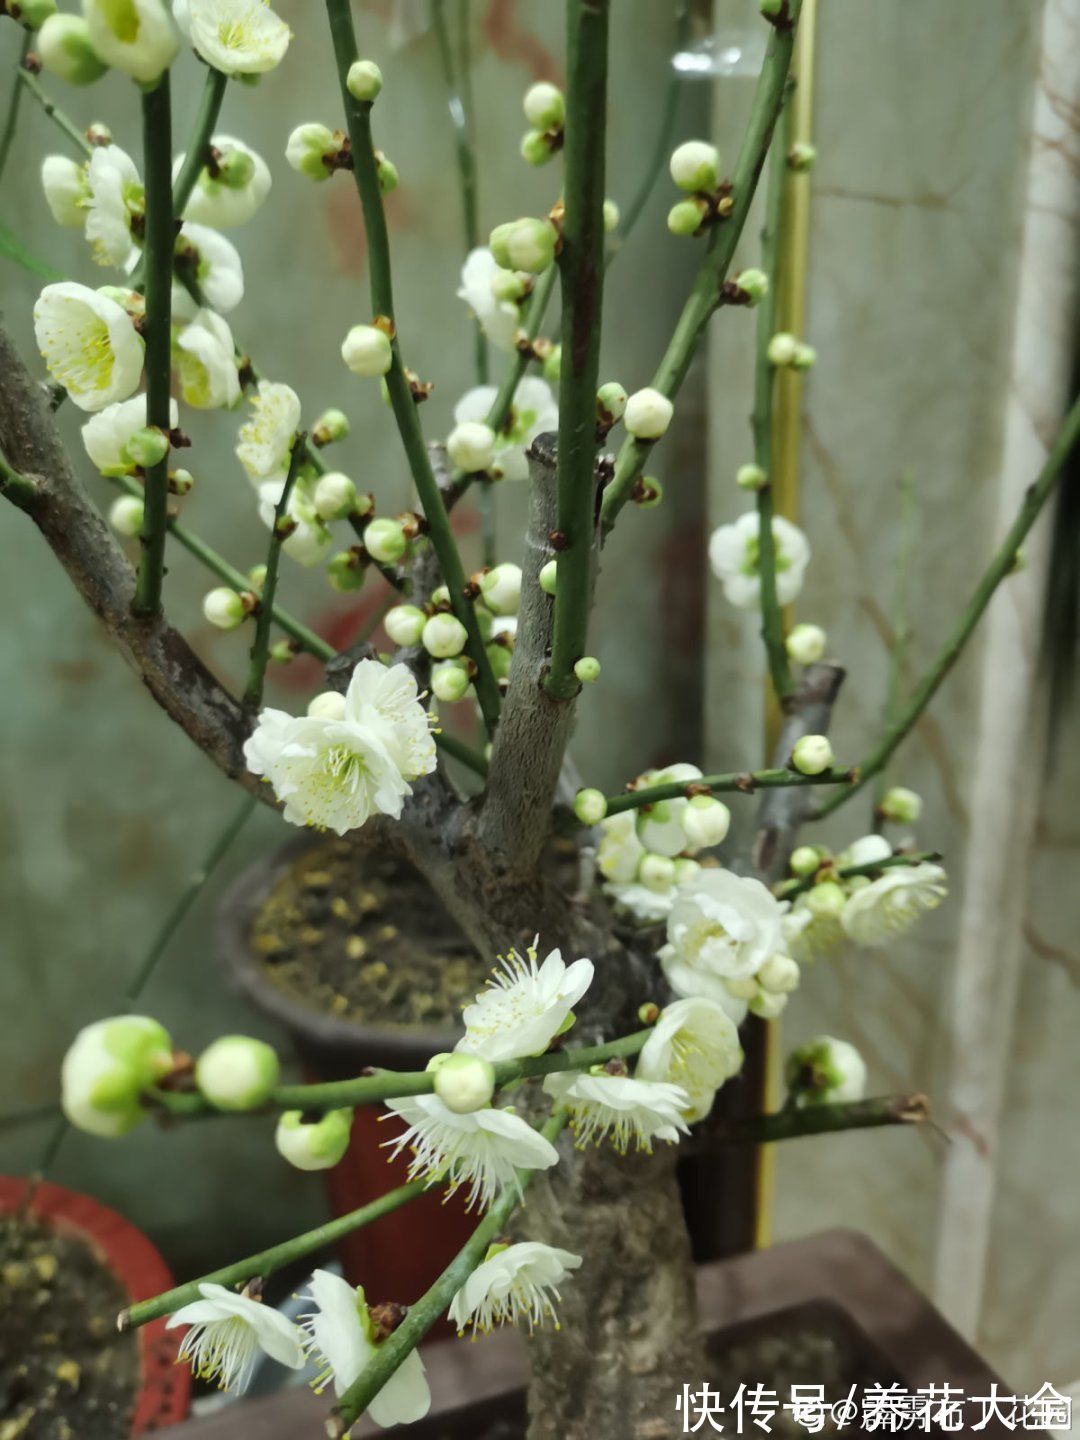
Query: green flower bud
(695,165)
(903,807)
(500,588)
(805,860)
(544,106)
(590,806)
(364,80)
(706,820)
(656,872)
(224,608)
(385,541)
(236,170)
(812,754)
(587,669)
(771,8)
(313,1144)
(508,285)
(471,446)
(405,624)
(497,242)
(181,481)
(500,658)
(63,43)
(450,681)
(548,576)
(465,1083)
(329,705)
(825,901)
(257,576)
(334,496)
(32,14)
(237,1072)
(685,869)
(611,216)
(751,477)
(444,636)
(754,284)
(312,149)
(806,644)
(108,1067)
(685,217)
(825,1071)
(553,365)
(331,425)
(530,246)
(610,403)
(367,351)
(345,572)
(535,149)
(283,652)
(801,156)
(780,975)
(387,173)
(146,448)
(126,515)
(648,414)
(782,349)
(804,358)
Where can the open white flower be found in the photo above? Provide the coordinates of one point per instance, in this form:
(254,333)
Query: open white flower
(237,37)
(385,699)
(228,1331)
(733,555)
(117,200)
(218,270)
(722,927)
(341,1338)
(308,543)
(135,36)
(105,434)
(267,435)
(513,1283)
(205,356)
(523,1007)
(626,1109)
(891,904)
(483,1149)
(67,191)
(88,344)
(694,1045)
(499,319)
(533,411)
(222,202)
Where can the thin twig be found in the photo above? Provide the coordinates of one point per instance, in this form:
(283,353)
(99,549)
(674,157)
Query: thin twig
(56,115)
(742,781)
(198,151)
(260,645)
(788,889)
(11,120)
(793,1123)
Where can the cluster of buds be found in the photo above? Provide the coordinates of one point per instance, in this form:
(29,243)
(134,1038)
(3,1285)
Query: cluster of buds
(31,14)
(545,110)
(318,152)
(695,169)
(385,541)
(786,351)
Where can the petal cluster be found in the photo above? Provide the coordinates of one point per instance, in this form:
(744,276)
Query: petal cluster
(733,555)
(524,1005)
(514,1283)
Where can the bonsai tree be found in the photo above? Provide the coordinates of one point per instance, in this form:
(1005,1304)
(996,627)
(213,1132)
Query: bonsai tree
(630,958)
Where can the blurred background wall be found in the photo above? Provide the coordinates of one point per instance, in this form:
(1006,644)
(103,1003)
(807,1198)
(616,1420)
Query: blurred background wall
(924,125)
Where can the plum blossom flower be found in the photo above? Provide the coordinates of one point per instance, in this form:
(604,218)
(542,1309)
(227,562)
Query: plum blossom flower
(116,202)
(218,269)
(660,825)
(513,1283)
(267,435)
(205,356)
(237,37)
(105,434)
(626,1109)
(482,1149)
(309,541)
(891,904)
(228,1331)
(722,928)
(523,1007)
(220,202)
(499,319)
(694,1045)
(341,1337)
(66,190)
(136,36)
(733,555)
(88,344)
(533,411)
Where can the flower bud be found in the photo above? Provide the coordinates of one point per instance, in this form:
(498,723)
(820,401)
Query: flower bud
(548,577)
(385,541)
(500,659)
(224,608)
(552,366)
(331,425)
(648,414)
(706,820)
(464,1083)
(63,43)
(106,1070)
(527,244)
(450,681)
(66,190)
(685,869)
(610,404)
(902,806)
(685,217)
(801,156)
(500,589)
(647,492)
(313,1144)
(656,872)
(126,515)
(180,481)
(364,80)
(235,170)
(805,860)
(367,351)
(805,356)
(329,705)
(345,572)
(611,216)
(146,448)
(779,974)
(335,496)
(535,148)
(806,644)
(405,624)
(98,133)
(590,806)
(812,754)
(767,1005)
(754,284)
(771,8)
(751,477)
(782,348)
(695,165)
(387,173)
(508,285)
(868,850)
(544,106)
(587,669)
(257,576)
(283,652)
(444,636)
(825,901)
(471,446)
(237,1072)
(311,150)
(825,1071)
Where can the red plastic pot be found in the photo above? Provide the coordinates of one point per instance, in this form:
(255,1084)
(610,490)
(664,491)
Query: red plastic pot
(165,1388)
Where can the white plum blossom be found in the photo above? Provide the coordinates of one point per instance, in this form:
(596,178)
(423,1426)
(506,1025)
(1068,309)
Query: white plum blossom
(340,1337)
(524,1006)
(228,1331)
(620,850)
(733,555)
(695,1045)
(812,929)
(499,319)
(891,904)
(533,411)
(237,37)
(136,37)
(222,204)
(309,541)
(335,772)
(116,200)
(67,191)
(660,825)
(105,434)
(482,1150)
(267,435)
(722,927)
(617,1105)
(218,269)
(205,356)
(88,344)
(513,1283)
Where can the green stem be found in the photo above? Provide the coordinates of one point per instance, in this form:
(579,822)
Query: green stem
(1002,562)
(787,889)
(792,1124)
(267,1261)
(16,487)
(11,120)
(365,173)
(719,250)
(745,781)
(453,747)
(434,1301)
(56,115)
(901,637)
(581,266)
(158,259)
(260,646)
(198,151)
(772,623)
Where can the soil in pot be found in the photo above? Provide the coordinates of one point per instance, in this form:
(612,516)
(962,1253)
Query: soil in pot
(65,1373)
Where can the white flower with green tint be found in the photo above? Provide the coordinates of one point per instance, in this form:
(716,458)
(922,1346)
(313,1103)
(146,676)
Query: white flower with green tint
(88,343)
(695,1045)
(722,928)
(343,1339)
(266,437)
(533,411)
(309,540)
(204,354)
(237,37)
(514,1283)
(524,1005)
(825,1071)
(625,1110)
(890,905)
(734,554)
(234,192)
(237,1072)
(135,36)
(106,434)
(116,206)
(66,189)
(313,1144)
(228,1331)
(217,270)
(107,1069)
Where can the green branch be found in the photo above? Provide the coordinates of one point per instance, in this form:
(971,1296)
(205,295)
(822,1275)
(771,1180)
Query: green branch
(198,151)
(792,1123)
(433,1302)
(365,173)
(744,781)
(1002,562)
(158,256)
(260,645)
(267,1261)
(581,266)
(719,250)
(56,115)
(787,889)
(11,120)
